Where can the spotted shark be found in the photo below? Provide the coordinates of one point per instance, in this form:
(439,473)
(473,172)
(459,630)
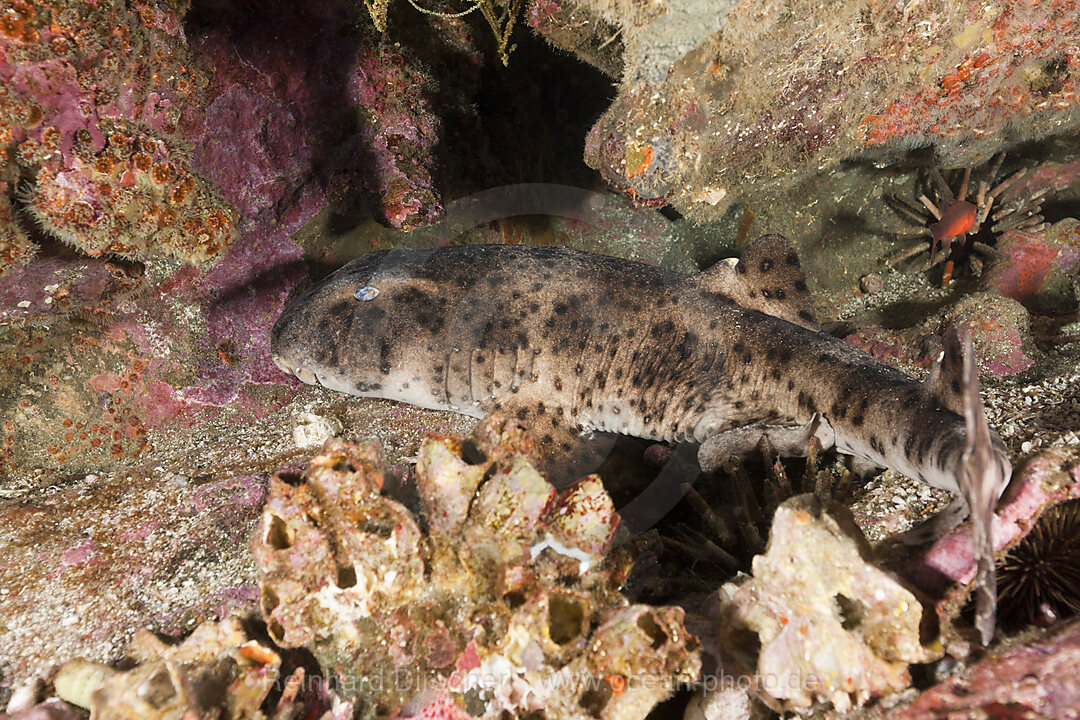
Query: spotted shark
(573,343)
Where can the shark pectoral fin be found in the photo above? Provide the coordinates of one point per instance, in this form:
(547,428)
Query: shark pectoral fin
(937,524)
(945,383)
(767,278)
(567,454)
(786,441)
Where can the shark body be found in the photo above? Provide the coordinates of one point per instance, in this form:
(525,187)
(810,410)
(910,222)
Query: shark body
(572,343)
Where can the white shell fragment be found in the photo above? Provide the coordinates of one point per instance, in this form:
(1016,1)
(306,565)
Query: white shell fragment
(366,293)
(313,430)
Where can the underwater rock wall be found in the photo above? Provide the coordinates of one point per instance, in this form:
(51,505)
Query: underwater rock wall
(95,102)
(716,107)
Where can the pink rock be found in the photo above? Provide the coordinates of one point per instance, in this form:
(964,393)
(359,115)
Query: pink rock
(1037,679)
(1030,258)
(946,567)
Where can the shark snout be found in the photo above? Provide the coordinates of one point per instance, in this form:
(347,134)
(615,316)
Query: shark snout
(301,373)
(284,340)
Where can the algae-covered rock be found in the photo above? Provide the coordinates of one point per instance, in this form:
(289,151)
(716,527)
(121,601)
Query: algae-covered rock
(833,628)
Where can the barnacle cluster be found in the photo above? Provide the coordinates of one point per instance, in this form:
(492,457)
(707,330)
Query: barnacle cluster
(92,103)
(502,592)
(217,668)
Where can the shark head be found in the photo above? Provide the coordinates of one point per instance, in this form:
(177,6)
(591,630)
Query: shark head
(341,322)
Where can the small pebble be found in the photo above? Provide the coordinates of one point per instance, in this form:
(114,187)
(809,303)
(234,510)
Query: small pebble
(871,284)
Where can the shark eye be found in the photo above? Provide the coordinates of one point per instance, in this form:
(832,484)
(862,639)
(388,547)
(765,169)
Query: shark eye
(366,293)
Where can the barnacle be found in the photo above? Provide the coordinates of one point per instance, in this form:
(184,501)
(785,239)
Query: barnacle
(954,224)
(216,671)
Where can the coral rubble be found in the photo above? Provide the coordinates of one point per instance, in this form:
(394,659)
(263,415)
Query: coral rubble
(833,628)
(719,101)
(95,99)
(502,592)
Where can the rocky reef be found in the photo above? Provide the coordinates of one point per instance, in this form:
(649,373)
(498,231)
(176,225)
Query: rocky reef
(95,101)
(171,173)
(718,102)
(501,591)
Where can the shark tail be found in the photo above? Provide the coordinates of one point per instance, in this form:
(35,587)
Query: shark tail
(984,473)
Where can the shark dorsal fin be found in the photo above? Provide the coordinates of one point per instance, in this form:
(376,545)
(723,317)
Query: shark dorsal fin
(767,278)
(945,384)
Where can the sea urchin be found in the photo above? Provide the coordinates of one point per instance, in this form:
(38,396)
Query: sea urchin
(1039,579)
